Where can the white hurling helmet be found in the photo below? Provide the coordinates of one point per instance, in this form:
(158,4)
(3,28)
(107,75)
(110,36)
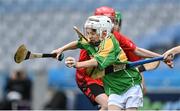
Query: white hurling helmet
(100,23)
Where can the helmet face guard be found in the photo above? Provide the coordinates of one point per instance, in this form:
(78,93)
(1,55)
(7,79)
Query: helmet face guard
(100,24)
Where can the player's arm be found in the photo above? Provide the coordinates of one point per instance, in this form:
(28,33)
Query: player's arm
(71,62)
(127,44)
(69,46)
(145,53)
(89,63)
(149,54)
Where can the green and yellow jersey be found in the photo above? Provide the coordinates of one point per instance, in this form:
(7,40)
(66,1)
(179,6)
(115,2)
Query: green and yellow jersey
(83,44)
(110,53)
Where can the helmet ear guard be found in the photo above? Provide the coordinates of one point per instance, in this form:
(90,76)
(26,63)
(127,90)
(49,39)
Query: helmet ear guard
(100,23)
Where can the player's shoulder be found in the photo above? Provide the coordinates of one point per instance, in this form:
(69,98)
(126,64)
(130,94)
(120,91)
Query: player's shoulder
(120,35)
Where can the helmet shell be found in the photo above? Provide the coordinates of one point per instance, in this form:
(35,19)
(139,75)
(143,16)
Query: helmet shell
(104,10)
(100,23)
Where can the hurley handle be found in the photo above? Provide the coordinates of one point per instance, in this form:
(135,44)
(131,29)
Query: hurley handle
(60,58)
(140,62)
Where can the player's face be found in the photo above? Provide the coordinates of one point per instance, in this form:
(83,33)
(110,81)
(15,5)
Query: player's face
(92,35)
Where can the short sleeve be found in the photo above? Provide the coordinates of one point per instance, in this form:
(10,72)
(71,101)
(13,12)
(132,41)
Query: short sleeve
(83,44)
(125,43)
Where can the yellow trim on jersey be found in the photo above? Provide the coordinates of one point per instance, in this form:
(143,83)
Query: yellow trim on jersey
(122,56)
(108,47)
